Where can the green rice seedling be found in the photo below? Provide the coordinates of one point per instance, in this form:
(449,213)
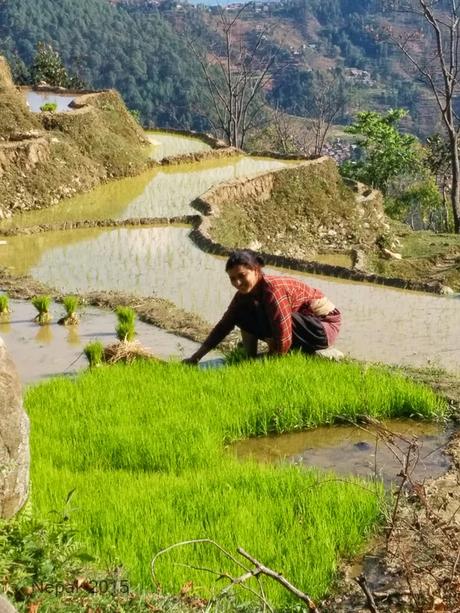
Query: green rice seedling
(125,331)
(94,353)
(150,466)
(4,304)
(71,304)
(235,355)
(125,315)
(42,304)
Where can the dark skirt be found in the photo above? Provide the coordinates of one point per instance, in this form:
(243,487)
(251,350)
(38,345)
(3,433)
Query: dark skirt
(308,333)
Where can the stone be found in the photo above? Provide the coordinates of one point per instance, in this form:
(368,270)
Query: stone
(14,439)
(445,290)
(331,353)
(6,606)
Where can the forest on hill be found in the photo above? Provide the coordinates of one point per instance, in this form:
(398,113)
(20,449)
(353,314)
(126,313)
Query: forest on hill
(140,48)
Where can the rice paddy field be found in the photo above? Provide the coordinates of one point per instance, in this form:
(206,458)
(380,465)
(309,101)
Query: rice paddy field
(144,447)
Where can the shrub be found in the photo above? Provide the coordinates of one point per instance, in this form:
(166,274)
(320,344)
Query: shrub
(94,353)
(48,107)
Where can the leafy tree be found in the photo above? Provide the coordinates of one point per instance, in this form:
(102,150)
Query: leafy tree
(384,152)
(49,67)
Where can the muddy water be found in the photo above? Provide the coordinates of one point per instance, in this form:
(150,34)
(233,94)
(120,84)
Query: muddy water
(37,99)
(164,192)
(45,351)
(380,324)
(168,145)
(350,450)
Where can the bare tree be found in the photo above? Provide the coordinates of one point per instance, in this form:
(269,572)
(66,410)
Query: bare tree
(328,103)
(433,52)
(236,71)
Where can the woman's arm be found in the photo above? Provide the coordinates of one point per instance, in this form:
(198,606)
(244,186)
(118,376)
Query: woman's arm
(218,333)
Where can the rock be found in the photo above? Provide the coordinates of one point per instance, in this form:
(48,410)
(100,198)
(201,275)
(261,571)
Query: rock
(331,353)
(6,606)
(391,254)
(14,439)
(358,259)
(445,290)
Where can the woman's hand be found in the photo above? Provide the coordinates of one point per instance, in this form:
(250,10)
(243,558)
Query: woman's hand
(192,360)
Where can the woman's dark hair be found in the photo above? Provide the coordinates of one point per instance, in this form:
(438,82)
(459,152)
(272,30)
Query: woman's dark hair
(244,257)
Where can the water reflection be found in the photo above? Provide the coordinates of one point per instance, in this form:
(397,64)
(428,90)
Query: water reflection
(44,334)
(37,99)
(164,192)
(352,450)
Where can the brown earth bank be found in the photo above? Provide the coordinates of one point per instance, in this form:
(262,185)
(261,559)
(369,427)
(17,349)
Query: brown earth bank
(49,156)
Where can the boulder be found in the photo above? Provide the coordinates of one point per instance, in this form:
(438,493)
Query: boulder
(14,439)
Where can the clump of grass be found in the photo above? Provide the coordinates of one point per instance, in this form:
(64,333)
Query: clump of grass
(94,353)
(4,305)
(71,305)
(162,456)
(49,107)
(236,355)
(42,304)
(126,329)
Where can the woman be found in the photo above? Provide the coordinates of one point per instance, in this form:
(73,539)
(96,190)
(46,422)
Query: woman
(284,312)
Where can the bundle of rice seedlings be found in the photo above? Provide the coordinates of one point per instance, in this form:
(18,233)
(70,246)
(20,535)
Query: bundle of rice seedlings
(4,305)
(42,304)
(71,304)
(127,351)
(94,353)
(126,329)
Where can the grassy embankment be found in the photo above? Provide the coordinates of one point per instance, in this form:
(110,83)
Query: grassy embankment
(426,256)
(144,446)
(307,210)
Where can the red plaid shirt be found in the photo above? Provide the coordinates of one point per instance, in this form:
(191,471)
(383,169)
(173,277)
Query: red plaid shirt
(280,297)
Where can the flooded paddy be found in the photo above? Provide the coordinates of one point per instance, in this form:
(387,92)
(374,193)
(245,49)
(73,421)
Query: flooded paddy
(380,324)
(36,99)
(168,145)
(352,450)
(44,351)
(162,192)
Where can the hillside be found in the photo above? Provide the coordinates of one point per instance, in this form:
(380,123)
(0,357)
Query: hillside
(138,47)
(46,157)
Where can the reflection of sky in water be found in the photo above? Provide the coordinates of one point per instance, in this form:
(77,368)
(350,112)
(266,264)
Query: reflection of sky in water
(380,324)
(170,194)
(168,145)
(37,99)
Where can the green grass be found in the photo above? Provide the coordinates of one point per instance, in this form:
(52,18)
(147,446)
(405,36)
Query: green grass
(144,446)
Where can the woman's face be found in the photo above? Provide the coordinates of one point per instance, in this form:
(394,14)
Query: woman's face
(243,279)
